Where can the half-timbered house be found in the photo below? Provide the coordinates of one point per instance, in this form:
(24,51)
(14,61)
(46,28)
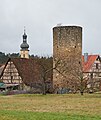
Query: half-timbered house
(92,70)
(21,73)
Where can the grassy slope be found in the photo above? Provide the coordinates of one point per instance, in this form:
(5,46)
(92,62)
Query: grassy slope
(50,107)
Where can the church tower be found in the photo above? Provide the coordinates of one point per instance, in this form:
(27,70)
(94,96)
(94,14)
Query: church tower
(24,52)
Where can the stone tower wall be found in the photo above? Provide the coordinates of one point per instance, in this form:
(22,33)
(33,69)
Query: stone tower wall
(67,53)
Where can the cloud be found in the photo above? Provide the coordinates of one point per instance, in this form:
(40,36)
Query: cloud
(40,16)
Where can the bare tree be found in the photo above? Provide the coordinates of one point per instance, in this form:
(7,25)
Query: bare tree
(71,70)
(46,65)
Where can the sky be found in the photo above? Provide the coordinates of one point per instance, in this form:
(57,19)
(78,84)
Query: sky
(40,16)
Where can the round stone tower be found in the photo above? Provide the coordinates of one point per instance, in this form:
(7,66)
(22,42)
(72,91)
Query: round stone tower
(67,55)
(24,52)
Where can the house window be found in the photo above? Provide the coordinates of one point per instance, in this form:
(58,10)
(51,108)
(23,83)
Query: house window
(11,79)
(96,65)
(79,62)
(91,75)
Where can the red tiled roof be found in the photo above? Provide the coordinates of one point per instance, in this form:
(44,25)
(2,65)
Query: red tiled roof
(87,65)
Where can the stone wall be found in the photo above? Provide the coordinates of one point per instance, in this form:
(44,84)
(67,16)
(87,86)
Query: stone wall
(67,54)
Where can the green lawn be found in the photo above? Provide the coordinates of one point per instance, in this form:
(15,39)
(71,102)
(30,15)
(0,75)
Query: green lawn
(50,107)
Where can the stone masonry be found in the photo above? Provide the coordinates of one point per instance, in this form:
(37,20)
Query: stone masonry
(67,52)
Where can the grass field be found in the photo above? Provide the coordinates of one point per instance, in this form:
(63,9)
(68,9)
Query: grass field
(50,107)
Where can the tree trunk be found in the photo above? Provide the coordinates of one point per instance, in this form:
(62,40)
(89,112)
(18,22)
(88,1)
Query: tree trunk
(81,92)
(44,86)
(81,89)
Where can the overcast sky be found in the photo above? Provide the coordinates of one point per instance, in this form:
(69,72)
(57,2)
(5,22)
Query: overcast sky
(40,16)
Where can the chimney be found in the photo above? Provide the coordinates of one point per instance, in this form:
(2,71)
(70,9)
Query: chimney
(85,57)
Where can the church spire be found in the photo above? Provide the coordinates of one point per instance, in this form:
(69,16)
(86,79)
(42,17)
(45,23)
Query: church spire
(24,35)
(24,46)
(24,29)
